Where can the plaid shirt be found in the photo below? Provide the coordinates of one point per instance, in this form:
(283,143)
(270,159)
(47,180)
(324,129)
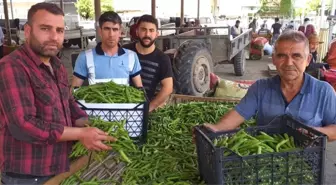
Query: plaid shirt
(35,105)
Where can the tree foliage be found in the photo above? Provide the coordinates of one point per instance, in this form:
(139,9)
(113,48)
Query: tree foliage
(267,5)
(313,5)
(277,7)
(85,8)
(286,8)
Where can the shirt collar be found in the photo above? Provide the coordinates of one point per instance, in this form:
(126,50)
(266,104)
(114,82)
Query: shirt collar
(306,87)
(99,49)
(54,61)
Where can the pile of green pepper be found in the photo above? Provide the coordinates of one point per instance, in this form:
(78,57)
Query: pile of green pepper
(109,92)
(77,180)
(245,144)
(263,169)
(123,145)
(169,156)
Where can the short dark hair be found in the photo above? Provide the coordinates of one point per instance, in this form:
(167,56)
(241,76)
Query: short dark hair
(306,19)
(149,19)
(276,19)
(237,21)
(49,7)
(109,16)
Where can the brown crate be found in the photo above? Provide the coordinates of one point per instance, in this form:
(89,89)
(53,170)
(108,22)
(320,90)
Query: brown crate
(177,98)
(74,167)
(105,169)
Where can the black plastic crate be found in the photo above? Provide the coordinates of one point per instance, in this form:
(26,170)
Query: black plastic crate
(135,114)
(303,166)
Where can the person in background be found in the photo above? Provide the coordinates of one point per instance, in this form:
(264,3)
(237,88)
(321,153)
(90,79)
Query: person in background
(253,25)
(265,24)
(2,41)
(236,29)
(39,117)
(108,61)
(291,25)
(331,58)
(264,32)
(307,28)
(133,29)
(156,66)
(292,92)
(314,67)
(330,74)
(276,27)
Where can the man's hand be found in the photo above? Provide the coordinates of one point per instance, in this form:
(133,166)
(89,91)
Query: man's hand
(153,107)
(81,122)
(329,130)
(212,127)
(161,98)
(92,138)
(209,126)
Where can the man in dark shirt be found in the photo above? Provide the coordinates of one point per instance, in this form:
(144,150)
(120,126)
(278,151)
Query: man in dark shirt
(156,66)
(38,114)
(253,25)
(276,27)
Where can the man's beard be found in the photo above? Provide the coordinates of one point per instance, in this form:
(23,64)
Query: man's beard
(146,45)
(40,48)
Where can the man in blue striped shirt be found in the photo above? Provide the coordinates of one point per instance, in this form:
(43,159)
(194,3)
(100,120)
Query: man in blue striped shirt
(292,92)
(108,61)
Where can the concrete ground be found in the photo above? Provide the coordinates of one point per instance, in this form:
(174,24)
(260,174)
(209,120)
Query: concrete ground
(255,69)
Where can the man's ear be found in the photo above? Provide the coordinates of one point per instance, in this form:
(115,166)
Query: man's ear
(27,30)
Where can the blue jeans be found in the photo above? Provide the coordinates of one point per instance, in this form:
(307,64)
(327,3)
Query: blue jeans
(11,180)
(274,38)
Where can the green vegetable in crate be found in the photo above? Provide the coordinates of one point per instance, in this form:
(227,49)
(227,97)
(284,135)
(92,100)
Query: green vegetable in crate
(244,144)
(109,92)
(115,129)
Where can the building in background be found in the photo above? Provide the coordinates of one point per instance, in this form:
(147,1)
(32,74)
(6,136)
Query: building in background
(17,8)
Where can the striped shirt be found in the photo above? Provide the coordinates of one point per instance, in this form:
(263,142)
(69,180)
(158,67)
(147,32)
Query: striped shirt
(155,67)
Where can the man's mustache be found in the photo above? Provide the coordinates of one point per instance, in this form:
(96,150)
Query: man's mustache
(146,38)
(289,68)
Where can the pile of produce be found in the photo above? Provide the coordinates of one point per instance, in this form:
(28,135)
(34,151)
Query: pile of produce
(245,144)
(123,145)
(169,156)
(107,166)
(261,168)
(109,92)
